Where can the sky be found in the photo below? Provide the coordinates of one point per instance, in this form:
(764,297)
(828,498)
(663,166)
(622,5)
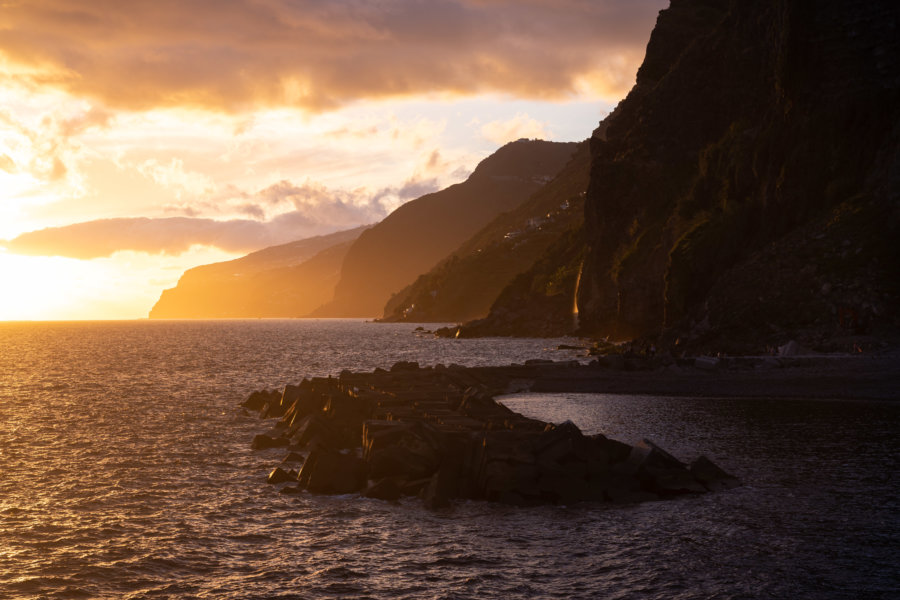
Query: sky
(141,138)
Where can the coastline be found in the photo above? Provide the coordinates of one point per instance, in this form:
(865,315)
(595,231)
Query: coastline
(441,434)
(812,377)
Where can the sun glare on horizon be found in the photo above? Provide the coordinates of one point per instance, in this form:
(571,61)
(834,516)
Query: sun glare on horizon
(38,287)
(124,286)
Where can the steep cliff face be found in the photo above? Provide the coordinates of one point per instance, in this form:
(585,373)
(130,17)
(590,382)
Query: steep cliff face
(758,136)
(747,120)
(288,280)
(416,236)
(465,285)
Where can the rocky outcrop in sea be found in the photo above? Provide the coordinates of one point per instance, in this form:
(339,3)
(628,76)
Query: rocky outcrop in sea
(440,434)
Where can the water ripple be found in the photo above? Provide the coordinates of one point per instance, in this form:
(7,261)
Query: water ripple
(127,473)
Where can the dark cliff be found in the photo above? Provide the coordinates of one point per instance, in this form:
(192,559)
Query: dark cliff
(747,186)
(288,280)
(747,121)
(422,232)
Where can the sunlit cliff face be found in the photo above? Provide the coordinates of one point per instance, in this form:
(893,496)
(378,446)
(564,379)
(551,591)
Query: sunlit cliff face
(138,139)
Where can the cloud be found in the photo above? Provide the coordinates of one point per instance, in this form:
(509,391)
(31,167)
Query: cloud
(58,170)
(314,204)
(44,149)
(172,235)
(416,187)
(300,211)
(303,211)
(95,239)
(519,126)
(93,117)
(7,164)
(435,162)
(173,175)
(320,54)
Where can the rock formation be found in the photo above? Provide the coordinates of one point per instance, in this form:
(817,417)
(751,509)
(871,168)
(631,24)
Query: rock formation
(438,433)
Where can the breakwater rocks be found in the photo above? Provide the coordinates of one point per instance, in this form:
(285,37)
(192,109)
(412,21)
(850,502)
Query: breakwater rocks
(438,433)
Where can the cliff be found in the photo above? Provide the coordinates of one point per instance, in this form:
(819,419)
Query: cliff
(288,280)
(416,236)
(465,285)
(746,188)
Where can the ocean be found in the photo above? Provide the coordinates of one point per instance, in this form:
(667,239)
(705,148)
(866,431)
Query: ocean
(126,472)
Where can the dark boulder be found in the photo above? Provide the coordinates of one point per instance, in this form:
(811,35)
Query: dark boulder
(292,457)
(384,489)
(479,403)
(563,488)
(258,399)
(711,476)
(560,441)
(271,410)
(617,451)
(289,395)
(612,487)
(279,475)
(409,460)
(346,414)
(434,497)
(378,434)
(306,403)
(399,450)
(326,472)
(658,471)
(414,487)
(675,482)
(315,430)
(404,365)
(453,477)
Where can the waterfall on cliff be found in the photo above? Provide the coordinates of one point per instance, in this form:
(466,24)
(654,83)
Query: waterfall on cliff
(575,298)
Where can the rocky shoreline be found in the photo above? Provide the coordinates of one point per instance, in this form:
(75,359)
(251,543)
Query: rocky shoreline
(808,376)
(438,433)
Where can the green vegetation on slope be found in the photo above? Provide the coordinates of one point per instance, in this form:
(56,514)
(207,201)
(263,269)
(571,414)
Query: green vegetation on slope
(464,286)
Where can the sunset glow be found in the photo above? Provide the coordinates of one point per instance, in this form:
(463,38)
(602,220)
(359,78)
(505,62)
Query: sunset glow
(449,299)
(258,124)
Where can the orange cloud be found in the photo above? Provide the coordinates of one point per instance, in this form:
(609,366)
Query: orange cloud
(303,210)
(7,164)
(322,53)
(172,235)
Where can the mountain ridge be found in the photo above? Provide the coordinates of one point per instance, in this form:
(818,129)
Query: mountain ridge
(287,280)
(464,285)
(422,232)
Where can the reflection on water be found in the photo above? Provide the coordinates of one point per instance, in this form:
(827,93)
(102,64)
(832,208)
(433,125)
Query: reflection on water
(126,472)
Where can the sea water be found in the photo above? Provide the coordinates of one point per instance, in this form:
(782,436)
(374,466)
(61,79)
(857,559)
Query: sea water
(126,472)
